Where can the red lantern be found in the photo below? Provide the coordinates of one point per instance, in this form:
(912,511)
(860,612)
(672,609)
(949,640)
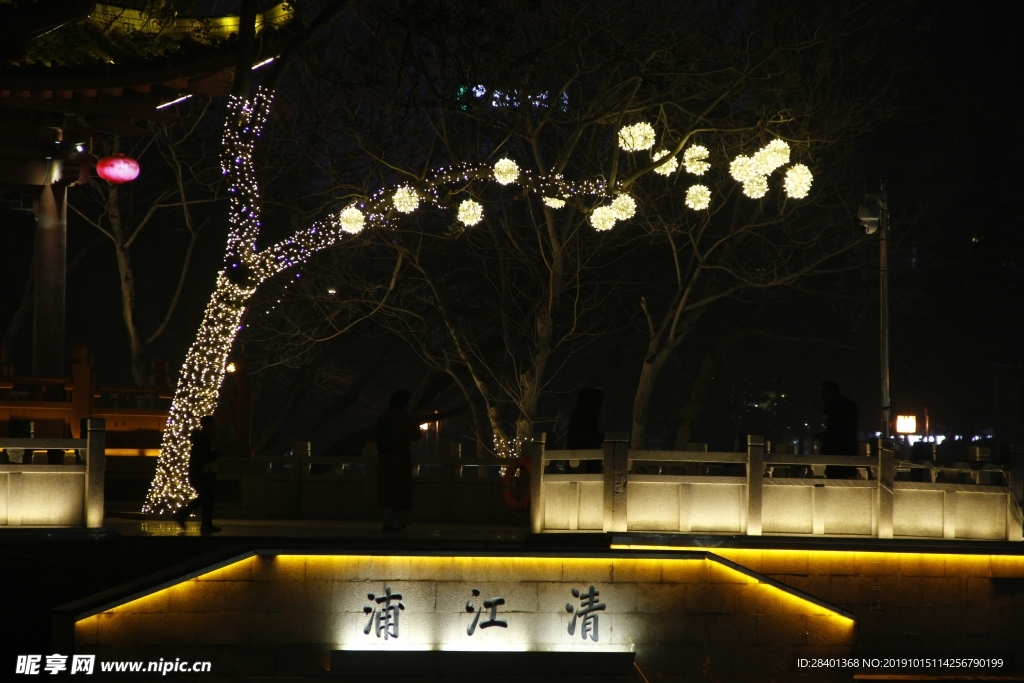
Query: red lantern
(118,169)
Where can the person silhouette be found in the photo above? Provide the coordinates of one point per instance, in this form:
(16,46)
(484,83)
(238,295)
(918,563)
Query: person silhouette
(395,429)
(840,435)
(585,426)
(200,475)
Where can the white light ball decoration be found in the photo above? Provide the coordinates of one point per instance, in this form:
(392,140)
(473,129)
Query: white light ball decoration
(637,137)
(470,212)
(506,171)
(743,169)
(406,200)
(351,220)
(623,207)
(554,202)
(756,187)
(667,168)
(772,156)
(603,218)
(798,181)
(698,197)
(694,159)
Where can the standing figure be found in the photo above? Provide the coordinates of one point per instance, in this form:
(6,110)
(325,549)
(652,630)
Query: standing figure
(395,429)
(585,426)
(840,435)
(201,475)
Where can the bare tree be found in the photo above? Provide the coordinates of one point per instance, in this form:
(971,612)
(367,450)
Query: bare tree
(178,177)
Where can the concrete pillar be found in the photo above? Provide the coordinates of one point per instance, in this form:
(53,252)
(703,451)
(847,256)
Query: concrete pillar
(94,431)
(755,479)
(1015,501)
(49,276)
(300,468)
(616,468)
(83,388)
(884,497)
(537,449)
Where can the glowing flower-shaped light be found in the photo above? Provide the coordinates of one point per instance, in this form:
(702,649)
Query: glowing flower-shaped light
(756,187)
(667,168)
(694,160)
(603,218)
(351,220)
(772,156)
(554,202)
(506,171)
(470,212)
(406,200)
(698,197)
(743,169)
(623,207)
(637,137)
(798,181)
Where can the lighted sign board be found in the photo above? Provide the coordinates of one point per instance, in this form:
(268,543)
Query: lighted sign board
(470,603)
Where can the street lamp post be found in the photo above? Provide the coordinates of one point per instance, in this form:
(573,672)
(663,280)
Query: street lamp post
(874,216)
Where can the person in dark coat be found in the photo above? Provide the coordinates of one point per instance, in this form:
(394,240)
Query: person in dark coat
(395,429)
(200,475)
(840,435)
(585,426)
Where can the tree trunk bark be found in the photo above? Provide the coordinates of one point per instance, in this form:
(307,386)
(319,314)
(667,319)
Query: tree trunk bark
(127,282)
(196,394)
(641,401)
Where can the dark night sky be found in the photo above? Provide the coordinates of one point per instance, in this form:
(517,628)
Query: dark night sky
(952,161)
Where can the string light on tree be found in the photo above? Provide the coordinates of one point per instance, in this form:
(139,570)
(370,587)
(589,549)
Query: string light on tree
(772,156)
(247,266)
(623,207)
(667,168)
(351,220)
(406,200)
(506,171)
(743,169)
(694,159)
(470,212)
(603,218)
(698,197)
(756,187)
(554,202)
(798,181)
(638,137)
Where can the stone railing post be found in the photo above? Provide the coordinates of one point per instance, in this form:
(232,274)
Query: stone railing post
(616,467)
(94,432)
(755,479)
(537,482)
(1015,504)
(884,497)
(300,468)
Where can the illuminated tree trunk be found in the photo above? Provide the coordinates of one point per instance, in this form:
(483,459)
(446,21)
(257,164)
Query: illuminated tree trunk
(203,371)
(196,394)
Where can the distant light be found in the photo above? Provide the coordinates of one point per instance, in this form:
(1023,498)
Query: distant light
(424,427)
(172,102)
(80,148)
(332,290)
(906,424)
(263,63)
(231,367)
